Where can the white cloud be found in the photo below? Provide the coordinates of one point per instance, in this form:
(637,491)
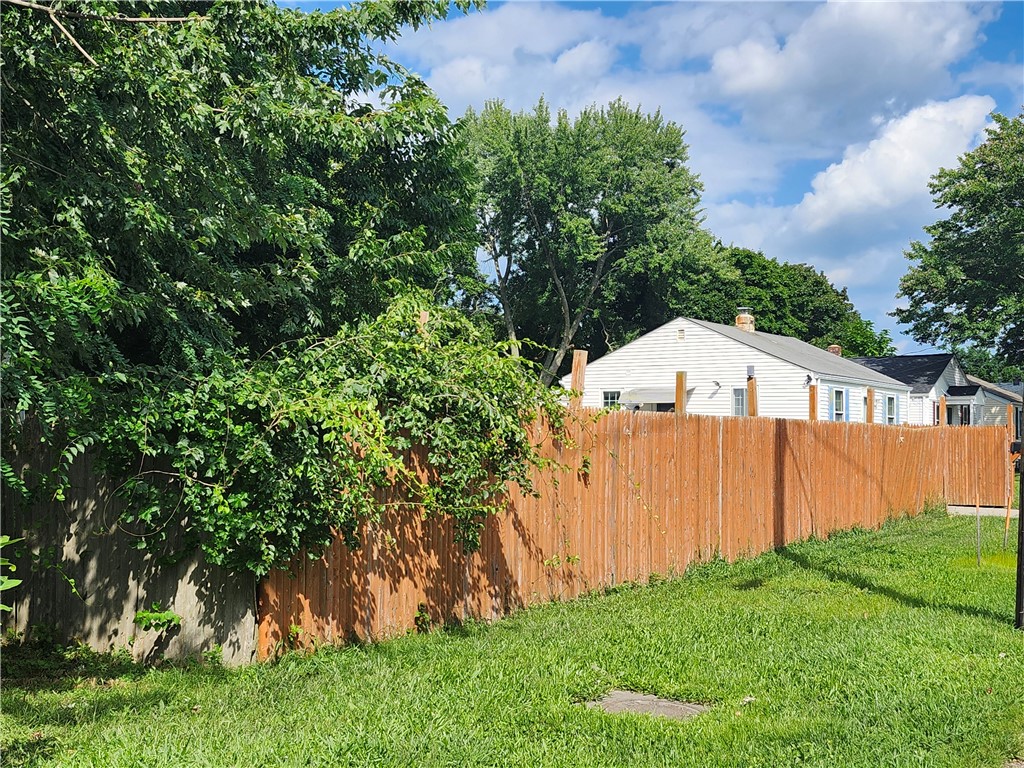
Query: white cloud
(588,59)
(827,80)
(894,169)
(675,33)
(989,73)
(768,94)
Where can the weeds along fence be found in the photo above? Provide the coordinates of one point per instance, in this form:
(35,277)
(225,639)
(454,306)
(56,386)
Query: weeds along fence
(637,494)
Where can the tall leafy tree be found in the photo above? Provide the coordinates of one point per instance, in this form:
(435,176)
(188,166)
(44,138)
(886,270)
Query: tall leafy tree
(798,300)
(980,362)
(198,201)
(787,299)
(582,218)
(966,283)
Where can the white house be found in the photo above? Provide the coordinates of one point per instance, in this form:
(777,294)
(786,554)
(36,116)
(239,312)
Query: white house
(722,364)
(993,410)
(932,378)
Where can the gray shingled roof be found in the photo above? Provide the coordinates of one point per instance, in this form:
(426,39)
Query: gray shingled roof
(921,372)
(804,355)
(1016,388)
(1002,390)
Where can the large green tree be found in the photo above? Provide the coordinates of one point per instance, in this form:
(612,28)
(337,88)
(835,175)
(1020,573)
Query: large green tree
(980,362)
(592,231)
(798,300)
(966,283)
(583,218)
(203,205)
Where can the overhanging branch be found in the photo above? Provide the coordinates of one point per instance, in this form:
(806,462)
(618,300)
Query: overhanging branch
(69,36)
(51,11)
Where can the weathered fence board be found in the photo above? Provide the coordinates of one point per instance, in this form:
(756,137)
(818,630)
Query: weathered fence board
(80,540)
(640,493)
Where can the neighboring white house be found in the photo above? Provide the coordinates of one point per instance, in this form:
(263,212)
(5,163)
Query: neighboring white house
(993,411)
(719,359)
(969,400)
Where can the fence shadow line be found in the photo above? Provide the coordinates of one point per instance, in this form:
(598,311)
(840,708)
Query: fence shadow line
(854,579)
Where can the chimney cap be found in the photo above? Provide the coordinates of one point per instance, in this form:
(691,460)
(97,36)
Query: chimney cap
(743,310)
(835,349)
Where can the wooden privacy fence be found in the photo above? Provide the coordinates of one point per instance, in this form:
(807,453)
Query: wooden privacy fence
(84,575)
(639,494)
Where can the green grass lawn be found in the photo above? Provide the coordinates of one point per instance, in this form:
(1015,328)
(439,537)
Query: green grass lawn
(873,649)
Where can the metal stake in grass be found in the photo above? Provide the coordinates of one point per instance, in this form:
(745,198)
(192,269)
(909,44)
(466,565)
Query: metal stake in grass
(977,518)
(977,512)
(1019,613)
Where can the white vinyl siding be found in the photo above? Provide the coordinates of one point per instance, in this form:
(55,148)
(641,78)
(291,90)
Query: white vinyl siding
(920,411)
(993,413)
(715,365)
(855,401)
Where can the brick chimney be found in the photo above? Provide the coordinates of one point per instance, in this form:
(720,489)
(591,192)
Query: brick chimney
(745,320)
(835,349)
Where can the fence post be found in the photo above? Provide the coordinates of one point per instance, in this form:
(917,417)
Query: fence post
(579,374)
(812,402)
(869,417)
(680,391)
(751,396)
(942,411)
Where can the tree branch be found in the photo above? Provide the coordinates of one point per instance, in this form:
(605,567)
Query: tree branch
(70,37)
(98,17)
(494,250)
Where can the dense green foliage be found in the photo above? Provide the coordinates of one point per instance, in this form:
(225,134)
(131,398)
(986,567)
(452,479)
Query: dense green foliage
(6,568)
(284,452)
(888,648)
(593,233)
(966,284)
(582,218)
(202,222)
(985,365)
(797,300)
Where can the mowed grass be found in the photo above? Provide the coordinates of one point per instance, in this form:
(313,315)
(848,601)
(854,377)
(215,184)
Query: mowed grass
(888,648)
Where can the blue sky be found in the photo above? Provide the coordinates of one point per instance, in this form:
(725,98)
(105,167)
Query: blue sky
(815,127)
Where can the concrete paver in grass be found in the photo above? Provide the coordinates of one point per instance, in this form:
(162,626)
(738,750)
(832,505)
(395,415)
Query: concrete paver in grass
(615,702)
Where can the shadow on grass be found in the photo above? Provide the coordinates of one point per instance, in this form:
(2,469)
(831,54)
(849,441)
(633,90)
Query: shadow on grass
(28,749)
(32,666)
(100,704)
(48,667)
(855,579)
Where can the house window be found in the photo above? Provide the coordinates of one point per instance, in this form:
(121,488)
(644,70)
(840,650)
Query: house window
(739,401)
(838,405)
(611,399)
(965,415)
(935,414)
(890,409)
(866,419)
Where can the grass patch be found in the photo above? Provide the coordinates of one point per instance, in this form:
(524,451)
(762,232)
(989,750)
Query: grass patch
(875,649)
